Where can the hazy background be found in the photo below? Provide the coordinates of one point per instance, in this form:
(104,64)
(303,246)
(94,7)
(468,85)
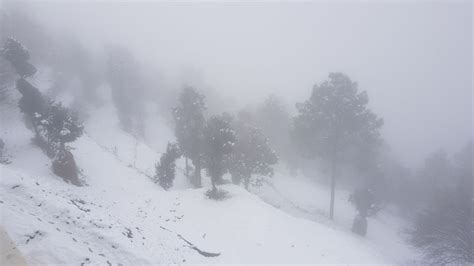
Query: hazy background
(414,59)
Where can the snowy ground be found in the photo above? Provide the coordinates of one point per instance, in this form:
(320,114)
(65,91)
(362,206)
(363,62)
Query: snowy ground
(123,217)
(303,197)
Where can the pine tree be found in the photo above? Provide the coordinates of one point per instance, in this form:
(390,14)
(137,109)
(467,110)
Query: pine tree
(444,230)
(18,56)
(436,172)
(32,103)
(127,89)
(333,121)
(219,142)
(62,125)
(166,168)
(53,124)
(273,118)
(189,127)
(251,155)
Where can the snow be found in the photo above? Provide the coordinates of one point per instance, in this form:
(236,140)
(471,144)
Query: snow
(303,197)
(94,222)
(121,216)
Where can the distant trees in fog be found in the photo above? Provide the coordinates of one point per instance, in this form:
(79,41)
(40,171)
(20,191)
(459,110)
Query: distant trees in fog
(334,122)
(189,123)
(219,144)
(274,120)
(444,227)
(252,153)
(335,126)
(219,141)
(127,87)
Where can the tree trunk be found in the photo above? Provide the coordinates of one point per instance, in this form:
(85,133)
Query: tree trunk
(333,189)
(214,188)
(187,167)
(197,175)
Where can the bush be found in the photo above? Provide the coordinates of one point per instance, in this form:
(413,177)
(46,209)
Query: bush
(217,194)
(64,166)
(359,226)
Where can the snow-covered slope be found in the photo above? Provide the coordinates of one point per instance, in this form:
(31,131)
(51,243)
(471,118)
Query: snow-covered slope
(121,216)
(302,197)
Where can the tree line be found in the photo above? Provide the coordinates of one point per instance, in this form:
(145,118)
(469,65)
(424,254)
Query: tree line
(334,126)
(53,124)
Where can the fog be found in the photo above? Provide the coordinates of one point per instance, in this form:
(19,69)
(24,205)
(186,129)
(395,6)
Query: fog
(236,132)
(414,59)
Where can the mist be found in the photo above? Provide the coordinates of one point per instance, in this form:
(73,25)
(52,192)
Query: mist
(414,59)
(201,122)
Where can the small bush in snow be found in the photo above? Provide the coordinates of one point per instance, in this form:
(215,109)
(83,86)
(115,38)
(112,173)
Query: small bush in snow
(217,194)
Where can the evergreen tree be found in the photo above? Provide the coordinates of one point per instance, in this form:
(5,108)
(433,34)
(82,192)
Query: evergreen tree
(333,121)
(435,174)
(273,119)
(189,127)
(62,126)
(32,103)
(251,155)
(127,89)
(166,167)
(8,77)
(444,229)
(53,124)
(219,142)
(18,56)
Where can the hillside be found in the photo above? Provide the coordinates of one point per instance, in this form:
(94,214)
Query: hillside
(121,216)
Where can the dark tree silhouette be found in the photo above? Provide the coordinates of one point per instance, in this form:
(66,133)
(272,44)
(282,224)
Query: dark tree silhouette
(189,127)
(18,56)
(166,167)
(333,121)
(251,155)
(219,142)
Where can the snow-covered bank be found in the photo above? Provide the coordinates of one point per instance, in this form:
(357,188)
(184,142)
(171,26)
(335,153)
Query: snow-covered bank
(121,216)
(52,222)
(305,198)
